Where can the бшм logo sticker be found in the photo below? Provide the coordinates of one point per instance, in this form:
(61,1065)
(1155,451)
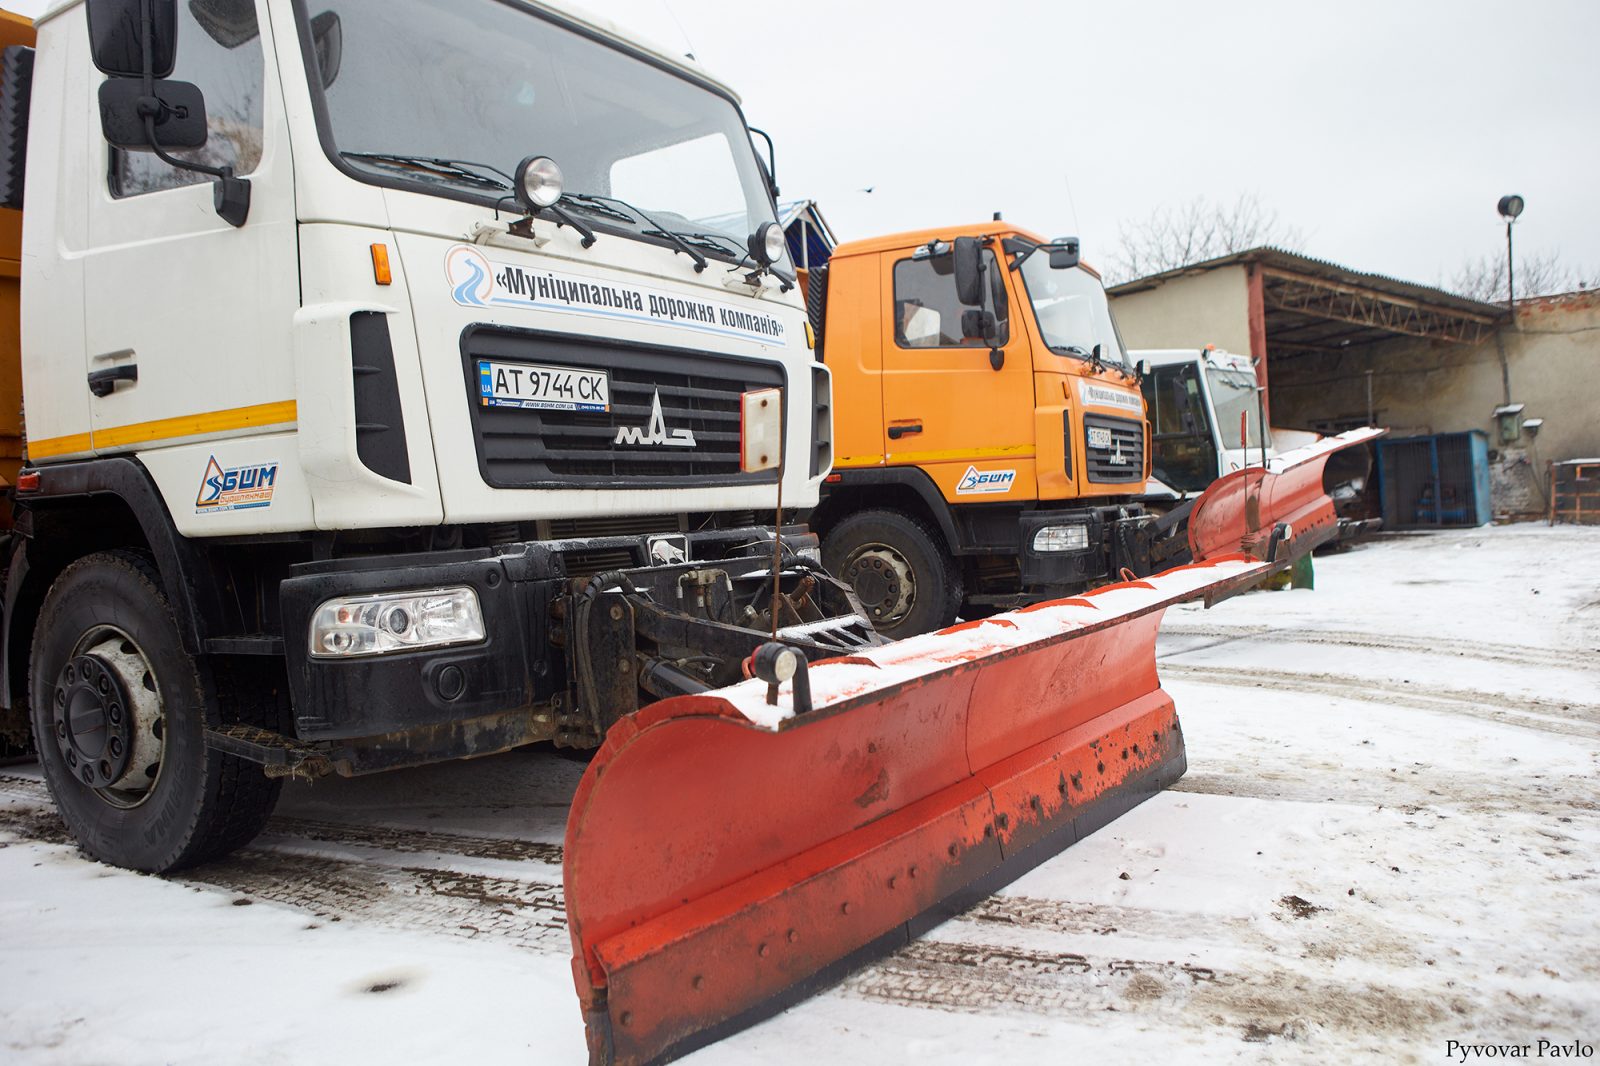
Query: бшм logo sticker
(236,489)
(976,481)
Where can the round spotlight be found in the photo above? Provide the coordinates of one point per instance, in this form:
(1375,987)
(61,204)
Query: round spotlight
(538,182)
(1510,206)
(768,243)
(776,663)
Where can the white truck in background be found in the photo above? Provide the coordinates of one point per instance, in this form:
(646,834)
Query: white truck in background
(1205,416)
(352,442)
(1205,411)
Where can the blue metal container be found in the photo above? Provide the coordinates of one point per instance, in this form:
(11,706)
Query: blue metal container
(1435,481)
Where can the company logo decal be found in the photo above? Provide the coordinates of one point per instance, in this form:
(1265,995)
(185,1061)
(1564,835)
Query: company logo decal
(235,489)
(1101,396)
(477,281)
(977,482)
(656,432)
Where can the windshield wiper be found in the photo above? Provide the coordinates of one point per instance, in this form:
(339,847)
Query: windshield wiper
(582,198)
(438,167)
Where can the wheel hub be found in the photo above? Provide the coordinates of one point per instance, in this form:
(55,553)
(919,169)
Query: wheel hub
(91,712)
(883,581)
(107,718)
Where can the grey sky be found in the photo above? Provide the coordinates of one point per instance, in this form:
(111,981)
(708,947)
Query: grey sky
(1384,131)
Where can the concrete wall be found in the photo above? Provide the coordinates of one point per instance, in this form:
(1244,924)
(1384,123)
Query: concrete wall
(1553,354)
(1188,312)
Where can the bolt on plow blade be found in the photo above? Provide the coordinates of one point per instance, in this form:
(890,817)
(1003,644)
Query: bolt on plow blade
(726,856)
(1240,511)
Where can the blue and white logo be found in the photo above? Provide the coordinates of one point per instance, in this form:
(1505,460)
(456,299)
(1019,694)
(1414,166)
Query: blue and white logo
(471,277)
(237,488)
(977,482)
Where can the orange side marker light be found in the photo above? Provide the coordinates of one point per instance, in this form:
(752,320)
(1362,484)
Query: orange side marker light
(380,265)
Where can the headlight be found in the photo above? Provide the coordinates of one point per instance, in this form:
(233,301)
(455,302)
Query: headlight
(1073,538)
(396,621)
(768,243)
(539,182)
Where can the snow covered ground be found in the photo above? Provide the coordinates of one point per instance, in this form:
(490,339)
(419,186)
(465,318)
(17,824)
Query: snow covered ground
(1388,838)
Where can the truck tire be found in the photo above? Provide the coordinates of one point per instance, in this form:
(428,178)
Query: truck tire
(119,716)
(900,570)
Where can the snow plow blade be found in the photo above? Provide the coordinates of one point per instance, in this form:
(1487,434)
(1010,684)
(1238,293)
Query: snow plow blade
(1278,513)
(725,857)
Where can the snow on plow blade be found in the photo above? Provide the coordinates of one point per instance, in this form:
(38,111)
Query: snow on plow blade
(1240,511)
(725,857)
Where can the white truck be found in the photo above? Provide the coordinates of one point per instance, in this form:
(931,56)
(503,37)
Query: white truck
(397,389)
(1205,416)
(1205,410)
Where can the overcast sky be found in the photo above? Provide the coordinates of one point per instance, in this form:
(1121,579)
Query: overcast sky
(1384,131)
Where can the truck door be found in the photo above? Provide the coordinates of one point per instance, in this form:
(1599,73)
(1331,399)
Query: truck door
(188,318)
(1184,452)
(945,407)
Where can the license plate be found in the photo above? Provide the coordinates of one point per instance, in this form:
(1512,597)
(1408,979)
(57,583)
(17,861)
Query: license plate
(542,388)
(1099,437)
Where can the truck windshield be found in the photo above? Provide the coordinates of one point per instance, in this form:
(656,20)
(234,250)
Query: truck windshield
(1233,393)
(447,96)
(1070,306)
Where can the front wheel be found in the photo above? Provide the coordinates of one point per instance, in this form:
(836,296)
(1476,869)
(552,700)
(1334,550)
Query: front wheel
(899,568)
(119,715)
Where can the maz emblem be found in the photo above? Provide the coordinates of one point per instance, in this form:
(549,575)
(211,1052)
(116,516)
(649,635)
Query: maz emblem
(656,432)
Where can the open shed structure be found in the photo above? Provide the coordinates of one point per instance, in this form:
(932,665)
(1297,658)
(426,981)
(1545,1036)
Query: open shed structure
(1340,348)
(1280,307)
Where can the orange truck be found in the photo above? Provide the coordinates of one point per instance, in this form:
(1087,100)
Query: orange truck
(989,433)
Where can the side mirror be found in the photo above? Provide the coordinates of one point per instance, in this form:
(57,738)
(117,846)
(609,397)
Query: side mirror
(116,39)
(178,108)
(968,263)
(1064,253)
(327,36)
(139,39)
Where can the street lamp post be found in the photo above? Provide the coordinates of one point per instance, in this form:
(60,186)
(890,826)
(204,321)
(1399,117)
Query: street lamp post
(1510,207)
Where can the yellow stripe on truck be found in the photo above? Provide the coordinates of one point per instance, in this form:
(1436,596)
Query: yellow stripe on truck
(1012,451)
(261,414)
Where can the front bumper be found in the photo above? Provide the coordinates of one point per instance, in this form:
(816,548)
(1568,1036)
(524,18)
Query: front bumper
(477,698)
(1111,546)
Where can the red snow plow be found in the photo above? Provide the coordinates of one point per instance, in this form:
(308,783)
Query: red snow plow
(731,851)
(1238,510)
(725,856)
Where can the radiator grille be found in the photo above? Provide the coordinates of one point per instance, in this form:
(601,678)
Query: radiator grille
(696,391)
(1123,461)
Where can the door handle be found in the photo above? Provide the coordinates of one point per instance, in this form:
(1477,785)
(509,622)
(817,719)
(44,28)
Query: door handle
(104,382)
(896,432)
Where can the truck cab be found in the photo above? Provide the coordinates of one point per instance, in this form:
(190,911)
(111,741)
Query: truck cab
(1205,417)
(989,431)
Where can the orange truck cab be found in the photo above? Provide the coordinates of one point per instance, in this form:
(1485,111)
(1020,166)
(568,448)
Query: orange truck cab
(989,432)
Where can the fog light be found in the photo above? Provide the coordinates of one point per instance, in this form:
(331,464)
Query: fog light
(1073,538)
(395,621)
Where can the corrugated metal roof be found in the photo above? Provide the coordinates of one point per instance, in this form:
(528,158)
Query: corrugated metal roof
(1324,269)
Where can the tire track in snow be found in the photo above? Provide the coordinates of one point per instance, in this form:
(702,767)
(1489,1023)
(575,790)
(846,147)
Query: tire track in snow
(1520,654)
(1547,716)
(968,978)
(382,838)
(1257,1001)
(424,841)
(1060,916)
(526,913)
